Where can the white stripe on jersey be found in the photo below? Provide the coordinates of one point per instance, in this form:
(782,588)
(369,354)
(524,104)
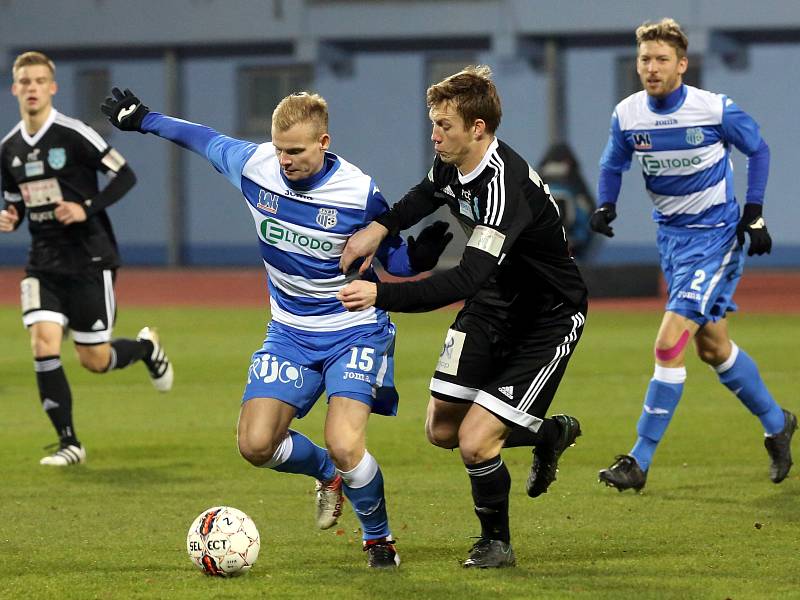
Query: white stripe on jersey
(82,128)
(303,287)
(348,187)
(496,201)
(320,323)
(700,108)
(691,204)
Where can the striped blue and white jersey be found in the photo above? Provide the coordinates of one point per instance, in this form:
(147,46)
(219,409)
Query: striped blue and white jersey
(302,227)
(683,145)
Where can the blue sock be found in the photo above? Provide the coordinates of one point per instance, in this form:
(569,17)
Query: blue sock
(660,402)
(363,486)
(298,454)
(740,375)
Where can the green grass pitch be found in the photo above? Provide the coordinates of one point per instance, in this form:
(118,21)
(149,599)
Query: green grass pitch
(709,525)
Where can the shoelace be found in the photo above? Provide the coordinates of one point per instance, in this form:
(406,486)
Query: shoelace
(326,502)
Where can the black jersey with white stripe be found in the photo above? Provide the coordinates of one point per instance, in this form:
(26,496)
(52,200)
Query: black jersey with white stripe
(60,163)
(517,258)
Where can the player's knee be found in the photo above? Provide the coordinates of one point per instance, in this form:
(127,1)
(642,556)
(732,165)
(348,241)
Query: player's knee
(257,450)
(93,362)
(345,456)
(668,348)
(44,346)
(472,454)
(441,435)
(713,355)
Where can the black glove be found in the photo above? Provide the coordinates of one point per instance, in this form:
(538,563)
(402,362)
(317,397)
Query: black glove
(602,217)
(424,252)
(124,110)
(753,223)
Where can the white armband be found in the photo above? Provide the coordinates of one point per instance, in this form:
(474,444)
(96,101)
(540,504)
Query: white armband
(487,239)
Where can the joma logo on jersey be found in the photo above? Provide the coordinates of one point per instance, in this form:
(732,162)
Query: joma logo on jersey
(654,166)
(267,201)
(273,233)
(327,217)
(641,141)
(694,136)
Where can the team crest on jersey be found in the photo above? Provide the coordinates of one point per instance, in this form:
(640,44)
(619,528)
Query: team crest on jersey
(641,141)
(464,208)
(57,158)
(326,217)
(267,201)
(694,136)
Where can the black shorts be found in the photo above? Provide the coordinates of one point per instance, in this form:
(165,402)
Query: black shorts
(85,303)
(513,372)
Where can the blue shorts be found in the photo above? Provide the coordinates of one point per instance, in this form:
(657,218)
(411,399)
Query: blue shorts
(702,268)
(296,366)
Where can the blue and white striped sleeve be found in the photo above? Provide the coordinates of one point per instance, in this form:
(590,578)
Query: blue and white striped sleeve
(227,155)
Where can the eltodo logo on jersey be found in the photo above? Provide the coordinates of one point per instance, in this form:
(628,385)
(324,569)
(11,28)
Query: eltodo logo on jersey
(274,232)
(57,158)
(326,217)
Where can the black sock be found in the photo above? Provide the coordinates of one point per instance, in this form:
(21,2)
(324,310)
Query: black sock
(56,397)
(490,486)
(522,436)
(125,351)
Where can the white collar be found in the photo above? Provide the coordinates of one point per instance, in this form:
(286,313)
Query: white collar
(33,140)
(463,179)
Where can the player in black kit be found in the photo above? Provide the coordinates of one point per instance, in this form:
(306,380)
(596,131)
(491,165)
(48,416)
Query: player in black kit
(49,171)
(524,311)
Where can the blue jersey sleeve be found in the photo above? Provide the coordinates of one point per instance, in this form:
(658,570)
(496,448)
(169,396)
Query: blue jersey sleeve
(393,251)
(616,159)
(608,185)
(617,154)
(228,155)
(741,130)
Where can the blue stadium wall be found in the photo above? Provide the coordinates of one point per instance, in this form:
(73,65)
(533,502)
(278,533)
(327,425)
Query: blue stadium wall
(378,116)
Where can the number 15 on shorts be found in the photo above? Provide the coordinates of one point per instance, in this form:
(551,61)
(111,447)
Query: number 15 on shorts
(362,359)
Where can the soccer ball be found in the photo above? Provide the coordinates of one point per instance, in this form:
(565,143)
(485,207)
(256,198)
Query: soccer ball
(223,541)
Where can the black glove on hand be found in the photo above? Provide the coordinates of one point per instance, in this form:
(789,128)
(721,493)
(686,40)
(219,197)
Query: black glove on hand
(424,252)
(753,223)
(124,110)
(602,217)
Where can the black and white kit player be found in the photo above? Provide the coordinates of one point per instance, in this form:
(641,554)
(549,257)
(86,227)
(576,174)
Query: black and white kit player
(49,172)
(524,303)
(525,299)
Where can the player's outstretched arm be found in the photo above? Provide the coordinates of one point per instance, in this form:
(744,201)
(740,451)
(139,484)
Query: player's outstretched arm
(228,155)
